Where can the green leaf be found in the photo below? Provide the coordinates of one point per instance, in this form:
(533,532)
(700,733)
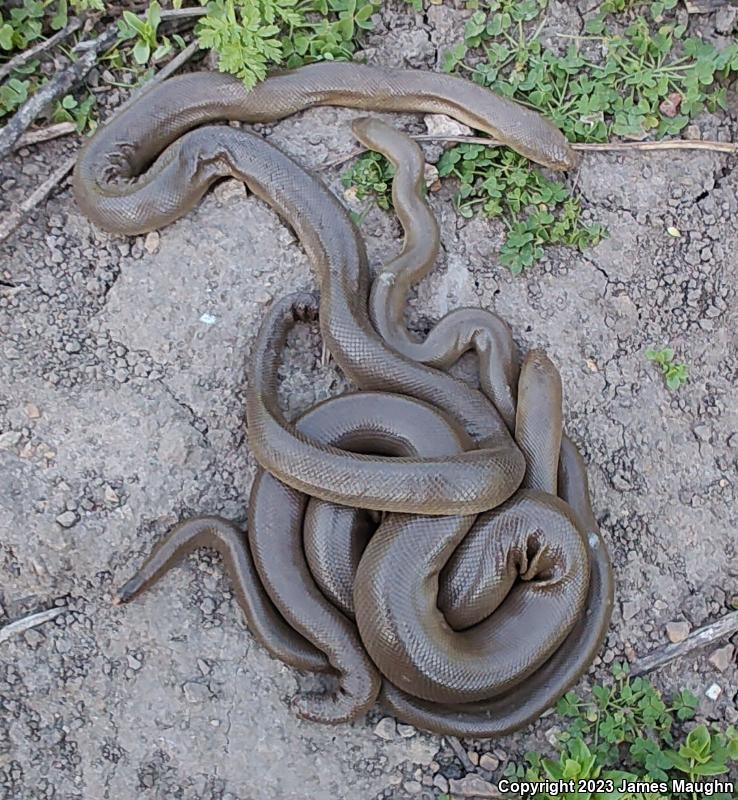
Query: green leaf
(6,36)
(61,17)
(141,52)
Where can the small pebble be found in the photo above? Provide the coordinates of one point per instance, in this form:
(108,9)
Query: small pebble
(9,440)
(442,125)
(33,638)
(473,786)
(151,242)
(629,610)
(67,519)
(714,691)
(412,787)
(677,631)
(110,495)
(134,663)
(489,762)
(196,692)
(722,658)
(440,782)
(406,731)
(32,411)
(386,728)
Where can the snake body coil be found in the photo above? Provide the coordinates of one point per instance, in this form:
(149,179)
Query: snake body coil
(421,540)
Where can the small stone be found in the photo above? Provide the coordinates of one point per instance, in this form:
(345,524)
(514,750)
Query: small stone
(489,762)
(68,519)
(134,663)
(386,728)
(33,638)
(431,177)
(552,736)
(229,189)
(151,242)
(702,432)
(208,606)
(473,786)
(9,440)
(722,657)
(714,691)
(693,132)
(629,610)
(412,787)
(196,692)
(440,782)
(72,346)
(406,731)
(677,631)
(32,411)
(473,757)
(440,125)
(110,495)
(725,19)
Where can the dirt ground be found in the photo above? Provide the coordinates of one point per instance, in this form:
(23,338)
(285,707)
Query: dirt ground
(123,364)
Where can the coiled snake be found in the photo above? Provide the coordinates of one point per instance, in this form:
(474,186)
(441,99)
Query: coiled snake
(422,541)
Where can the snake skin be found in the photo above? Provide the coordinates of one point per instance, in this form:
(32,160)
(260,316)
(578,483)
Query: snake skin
(423,541)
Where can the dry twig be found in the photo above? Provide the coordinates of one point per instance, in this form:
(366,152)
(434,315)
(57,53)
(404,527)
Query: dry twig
(59,85)
(16,215)
(460,753)
(182,13)
(31,621)
(663,144)
(45,134)
(724,627)
(19,60)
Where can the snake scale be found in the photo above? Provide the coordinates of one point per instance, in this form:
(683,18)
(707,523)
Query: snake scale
(423,542)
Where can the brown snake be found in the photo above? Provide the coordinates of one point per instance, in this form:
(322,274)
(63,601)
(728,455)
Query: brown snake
(420,538)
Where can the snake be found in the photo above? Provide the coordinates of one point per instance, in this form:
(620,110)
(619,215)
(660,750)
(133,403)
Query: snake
(474,585)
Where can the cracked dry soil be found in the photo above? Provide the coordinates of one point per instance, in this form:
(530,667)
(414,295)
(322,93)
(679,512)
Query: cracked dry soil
(123,365)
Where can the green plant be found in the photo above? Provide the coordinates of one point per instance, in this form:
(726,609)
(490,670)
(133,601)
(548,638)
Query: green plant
(61,16)
(675,374)
(13,93)
(148,46)
(22,26)
(371,177)
(656,7)
(625,743)
(69,109)
(86,5)
(536,210)
(646,82)
(249,35)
